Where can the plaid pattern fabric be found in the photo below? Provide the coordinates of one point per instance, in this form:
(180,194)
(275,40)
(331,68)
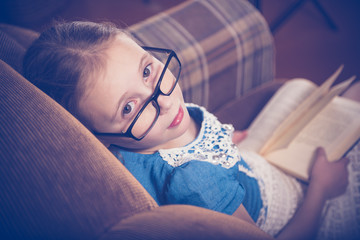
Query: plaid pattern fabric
(225,48)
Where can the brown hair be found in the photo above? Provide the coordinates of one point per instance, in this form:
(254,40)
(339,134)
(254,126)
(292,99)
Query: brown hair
(66,58)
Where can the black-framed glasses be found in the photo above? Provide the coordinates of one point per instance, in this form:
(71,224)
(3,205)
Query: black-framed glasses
(147,116)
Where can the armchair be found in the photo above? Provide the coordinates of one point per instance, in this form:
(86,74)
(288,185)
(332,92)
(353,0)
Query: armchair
(59,182)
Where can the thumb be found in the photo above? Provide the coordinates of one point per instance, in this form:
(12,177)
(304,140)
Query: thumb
(320,153)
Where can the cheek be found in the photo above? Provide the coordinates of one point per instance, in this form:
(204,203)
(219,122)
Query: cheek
(177,92)
(158,129)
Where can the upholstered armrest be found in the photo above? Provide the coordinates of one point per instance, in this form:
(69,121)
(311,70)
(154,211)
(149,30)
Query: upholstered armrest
(183,222)
(225,48)
(13,43)
(242,111)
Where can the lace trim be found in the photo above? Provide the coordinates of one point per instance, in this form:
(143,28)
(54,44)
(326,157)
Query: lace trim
(213,144)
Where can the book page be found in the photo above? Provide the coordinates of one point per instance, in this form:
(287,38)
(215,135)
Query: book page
(336,128)
(295,122)
(284,101)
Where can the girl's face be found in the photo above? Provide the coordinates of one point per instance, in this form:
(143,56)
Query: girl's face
(115,97)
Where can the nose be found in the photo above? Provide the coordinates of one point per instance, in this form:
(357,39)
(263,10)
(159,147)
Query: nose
(165,103)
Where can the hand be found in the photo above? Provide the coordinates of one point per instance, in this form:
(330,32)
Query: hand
(238,136)
(331,178)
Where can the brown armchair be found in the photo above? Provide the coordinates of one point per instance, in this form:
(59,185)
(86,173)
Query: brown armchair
(59,182)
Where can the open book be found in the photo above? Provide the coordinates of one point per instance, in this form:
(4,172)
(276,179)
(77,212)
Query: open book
(300,117)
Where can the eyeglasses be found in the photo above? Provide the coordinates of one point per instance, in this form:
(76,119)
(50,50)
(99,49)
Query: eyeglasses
(146,118)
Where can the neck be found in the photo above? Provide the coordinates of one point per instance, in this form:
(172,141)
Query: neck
(189,136)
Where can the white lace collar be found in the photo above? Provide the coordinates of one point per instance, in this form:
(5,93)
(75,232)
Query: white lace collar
(213,144)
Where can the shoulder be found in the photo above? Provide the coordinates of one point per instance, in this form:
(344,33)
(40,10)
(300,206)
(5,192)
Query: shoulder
(197,112)
(142,165)
(203,184)
(149,169)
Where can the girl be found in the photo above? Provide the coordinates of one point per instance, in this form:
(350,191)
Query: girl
(129,97)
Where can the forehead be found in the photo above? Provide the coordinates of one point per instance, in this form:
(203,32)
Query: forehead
(122,58)
(123,53)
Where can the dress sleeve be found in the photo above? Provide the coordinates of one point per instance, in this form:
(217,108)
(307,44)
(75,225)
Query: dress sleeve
(205,185)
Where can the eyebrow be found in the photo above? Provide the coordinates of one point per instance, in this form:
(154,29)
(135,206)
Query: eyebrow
(141,64)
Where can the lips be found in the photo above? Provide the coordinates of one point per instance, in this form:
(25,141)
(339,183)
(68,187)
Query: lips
(178,118)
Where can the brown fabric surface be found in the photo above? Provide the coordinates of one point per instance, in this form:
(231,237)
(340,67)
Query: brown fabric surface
(57,181)
(13,43)
(242,111)
(21,35)
(183,222)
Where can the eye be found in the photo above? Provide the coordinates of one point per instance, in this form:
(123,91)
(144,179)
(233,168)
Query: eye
(129,107)
(147,71)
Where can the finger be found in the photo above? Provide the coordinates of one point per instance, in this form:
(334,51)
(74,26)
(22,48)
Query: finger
(238,136)
(320,153)
(345,161)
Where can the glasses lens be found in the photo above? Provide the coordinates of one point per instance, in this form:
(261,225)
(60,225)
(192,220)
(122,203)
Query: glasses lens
(145,121)
(172,73)
(172,70)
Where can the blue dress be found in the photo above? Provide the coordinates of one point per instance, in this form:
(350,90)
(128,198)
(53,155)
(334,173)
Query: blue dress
(208,172)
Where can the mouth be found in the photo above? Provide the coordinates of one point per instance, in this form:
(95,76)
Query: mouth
(178,118)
